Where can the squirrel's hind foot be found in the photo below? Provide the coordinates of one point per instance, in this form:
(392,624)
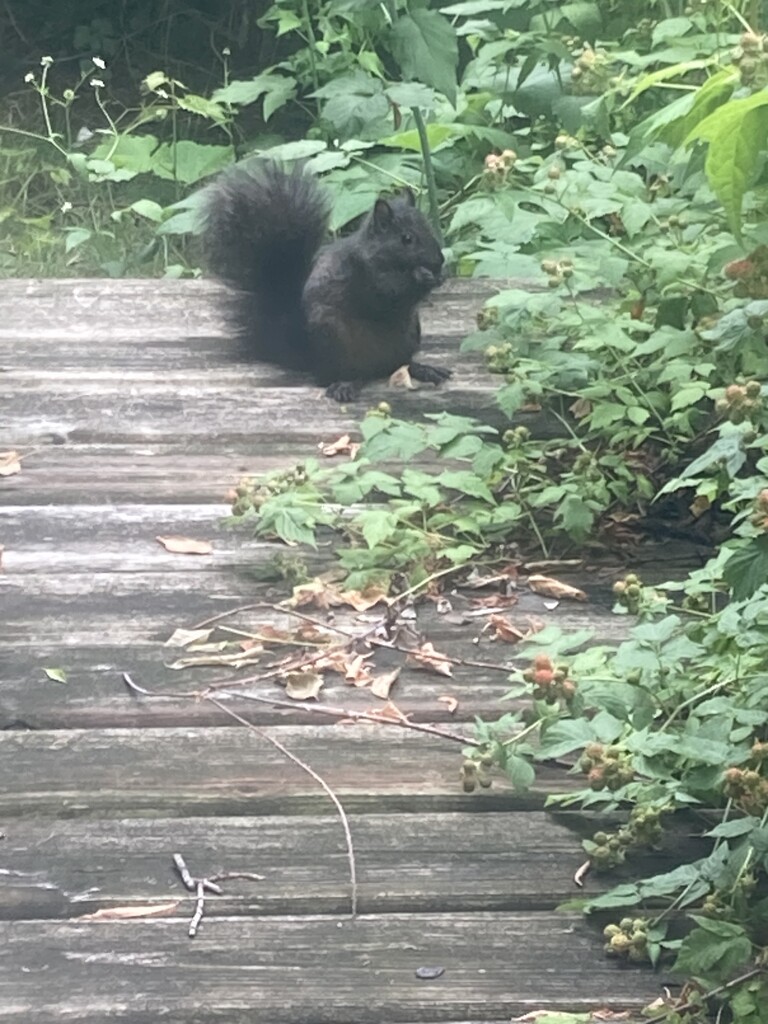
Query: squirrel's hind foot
(342,391)
(429,374)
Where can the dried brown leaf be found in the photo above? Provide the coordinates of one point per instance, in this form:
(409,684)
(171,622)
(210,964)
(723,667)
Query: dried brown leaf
(185,545)
(580,408)
(131,911)
(382,684)
(184,637)
(548,586)
(450,702)
(10,463)
(357,671)
(343,445)
(303,685)
(428,658)
(495,601)
(504,630)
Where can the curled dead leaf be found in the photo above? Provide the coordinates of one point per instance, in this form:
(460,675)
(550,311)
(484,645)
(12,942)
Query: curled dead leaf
(428,658)
(450,702)
(10,463)
(183,637)
(303,685)
(343,445)
(504,630)
(325,595)
(132,911)
(357,671)
(185,545)
(548,586)
(382,684)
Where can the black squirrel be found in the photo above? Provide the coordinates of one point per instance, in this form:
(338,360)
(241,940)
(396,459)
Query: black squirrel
(346,311)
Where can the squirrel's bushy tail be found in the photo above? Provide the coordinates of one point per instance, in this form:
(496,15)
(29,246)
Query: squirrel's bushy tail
(262,229)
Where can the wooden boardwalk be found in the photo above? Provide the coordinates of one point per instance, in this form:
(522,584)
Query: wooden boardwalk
(134,422)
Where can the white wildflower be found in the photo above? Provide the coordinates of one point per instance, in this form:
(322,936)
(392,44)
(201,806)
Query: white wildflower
(99,63)
(97,83)
(45,62)
(29,77)
(66,207)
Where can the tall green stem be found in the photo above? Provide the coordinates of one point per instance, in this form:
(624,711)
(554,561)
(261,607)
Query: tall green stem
(429,172)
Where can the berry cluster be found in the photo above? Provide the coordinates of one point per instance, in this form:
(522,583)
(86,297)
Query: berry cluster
(747,788)
(557,271)
(474,772)
(499,165)
(628,939)
(741,402)
(629,591)
(249,496)
(608,850)
(751,58)
(550,682)
(750,274)
(606,767)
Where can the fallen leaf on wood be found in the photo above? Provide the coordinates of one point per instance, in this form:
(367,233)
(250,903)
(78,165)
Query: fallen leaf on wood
(126,913)
(2,549)
(504,630)
(507,574)
(495,601)
(10,463)
(182,637)
(236,658)
(326,595)
(389,713)
(428,658)
(56,675)
(547,586)
(382,684)
(401,378)
(303,685)
(357,671)
(342,446)
(450,702)
(185,545)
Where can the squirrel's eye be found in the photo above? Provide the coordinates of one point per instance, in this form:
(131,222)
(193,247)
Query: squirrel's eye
(407,238)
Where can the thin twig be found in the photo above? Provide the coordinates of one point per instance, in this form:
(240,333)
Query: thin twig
(319,780)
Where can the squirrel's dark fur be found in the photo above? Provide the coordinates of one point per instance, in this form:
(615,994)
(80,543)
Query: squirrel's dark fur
(347,311)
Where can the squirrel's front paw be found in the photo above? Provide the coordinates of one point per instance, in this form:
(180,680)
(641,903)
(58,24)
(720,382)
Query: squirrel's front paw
(342,391)
(429,374)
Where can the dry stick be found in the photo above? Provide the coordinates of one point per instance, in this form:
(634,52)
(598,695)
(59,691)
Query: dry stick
(320,781)
(197,917)
(357,716)
(314,709)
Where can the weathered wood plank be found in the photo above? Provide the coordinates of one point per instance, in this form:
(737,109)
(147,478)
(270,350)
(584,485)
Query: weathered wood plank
(192,772)
(310,970)
(423,863)
(147,311)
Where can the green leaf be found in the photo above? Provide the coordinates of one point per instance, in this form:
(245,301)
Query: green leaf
(56,675)
(425,47)
(438,136)
(713,944)
(411,94)
(377,526)
(519,772)
(747,568)
(149,209)
(563,737)
(736,133)
(466,483)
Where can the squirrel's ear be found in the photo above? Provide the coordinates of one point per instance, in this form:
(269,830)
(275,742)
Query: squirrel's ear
(408,196)
(382,215)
